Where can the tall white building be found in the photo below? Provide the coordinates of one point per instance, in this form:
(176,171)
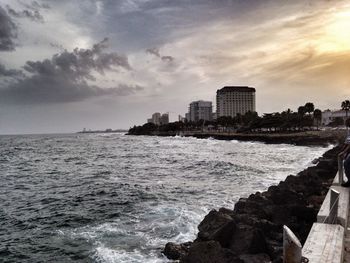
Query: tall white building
(231,100)
(200,110)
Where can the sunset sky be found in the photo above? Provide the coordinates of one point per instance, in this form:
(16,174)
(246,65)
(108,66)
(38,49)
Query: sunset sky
(67,65)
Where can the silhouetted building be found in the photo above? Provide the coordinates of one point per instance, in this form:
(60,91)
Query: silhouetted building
(200,110)
(231,100)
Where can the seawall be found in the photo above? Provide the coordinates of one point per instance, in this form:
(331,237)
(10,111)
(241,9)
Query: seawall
(253,230)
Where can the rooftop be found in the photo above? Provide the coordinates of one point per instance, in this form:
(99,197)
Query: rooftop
(237,88)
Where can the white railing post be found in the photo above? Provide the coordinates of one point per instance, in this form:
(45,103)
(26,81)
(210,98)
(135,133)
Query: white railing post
(340,170)
(291,247)
(333,207)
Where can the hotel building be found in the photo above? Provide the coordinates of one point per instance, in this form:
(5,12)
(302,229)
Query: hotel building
(200,110)
(231,100)
(159,119)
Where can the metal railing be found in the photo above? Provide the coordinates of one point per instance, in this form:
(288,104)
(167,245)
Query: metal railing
(340,170)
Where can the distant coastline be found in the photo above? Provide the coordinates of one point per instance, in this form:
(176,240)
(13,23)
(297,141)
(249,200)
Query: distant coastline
(103,131)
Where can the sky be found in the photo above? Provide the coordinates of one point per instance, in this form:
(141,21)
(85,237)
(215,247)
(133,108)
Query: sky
(66,65)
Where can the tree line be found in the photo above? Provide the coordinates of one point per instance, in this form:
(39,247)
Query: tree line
(306,117)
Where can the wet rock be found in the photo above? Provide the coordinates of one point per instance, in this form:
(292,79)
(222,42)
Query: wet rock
(253,231)
(210,252)
(257,258)
(213,222)
(176,252)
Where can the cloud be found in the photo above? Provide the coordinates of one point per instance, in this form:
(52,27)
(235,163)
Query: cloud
(36,5)
(10,72)
(167,58)
(8,31)
(156,52)
(125,90)
(68,77)
(32,15)
(153,51)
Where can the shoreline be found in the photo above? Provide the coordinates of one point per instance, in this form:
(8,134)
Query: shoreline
(309,138)
(252,231)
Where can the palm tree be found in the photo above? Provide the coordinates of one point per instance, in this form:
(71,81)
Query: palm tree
(301,110)
(345,105)
(309,107)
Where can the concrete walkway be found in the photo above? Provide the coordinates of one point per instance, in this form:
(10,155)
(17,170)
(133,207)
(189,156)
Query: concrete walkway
(347,244)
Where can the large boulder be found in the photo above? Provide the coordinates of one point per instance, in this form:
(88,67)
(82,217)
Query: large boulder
(212,223)
(175,252)
(210,252)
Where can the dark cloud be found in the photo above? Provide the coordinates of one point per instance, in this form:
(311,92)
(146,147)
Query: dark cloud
(10,72)
(33,15)
(8,31)
(58,46)
(156,52)
(153,51)
(67,77)
(35,5)
(167,58)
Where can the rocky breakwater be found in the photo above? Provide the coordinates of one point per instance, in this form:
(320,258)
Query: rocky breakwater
(253,230)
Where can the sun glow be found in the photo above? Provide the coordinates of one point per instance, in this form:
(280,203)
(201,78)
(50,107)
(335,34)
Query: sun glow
(337,32)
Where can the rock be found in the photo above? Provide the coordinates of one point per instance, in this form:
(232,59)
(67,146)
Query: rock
(224,234)
(253,231)
(212,223)
(210,252)
(257,258)
(248,240)
(176,252)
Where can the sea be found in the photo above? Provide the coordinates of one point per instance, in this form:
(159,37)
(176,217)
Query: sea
(119,198)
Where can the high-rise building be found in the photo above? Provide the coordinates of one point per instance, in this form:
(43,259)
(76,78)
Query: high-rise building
(164,119)
(231,100)
(200,110)
(156,118)
(159,119)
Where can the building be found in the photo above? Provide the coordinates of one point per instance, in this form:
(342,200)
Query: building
(200,110)
(156,118)
(329,116)
(159,119)
(164,119)
(182,119)
(233,100)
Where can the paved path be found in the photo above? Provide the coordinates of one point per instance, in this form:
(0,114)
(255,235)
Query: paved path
(347,243)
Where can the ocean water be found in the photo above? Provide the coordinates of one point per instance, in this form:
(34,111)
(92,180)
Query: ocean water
(117,198)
